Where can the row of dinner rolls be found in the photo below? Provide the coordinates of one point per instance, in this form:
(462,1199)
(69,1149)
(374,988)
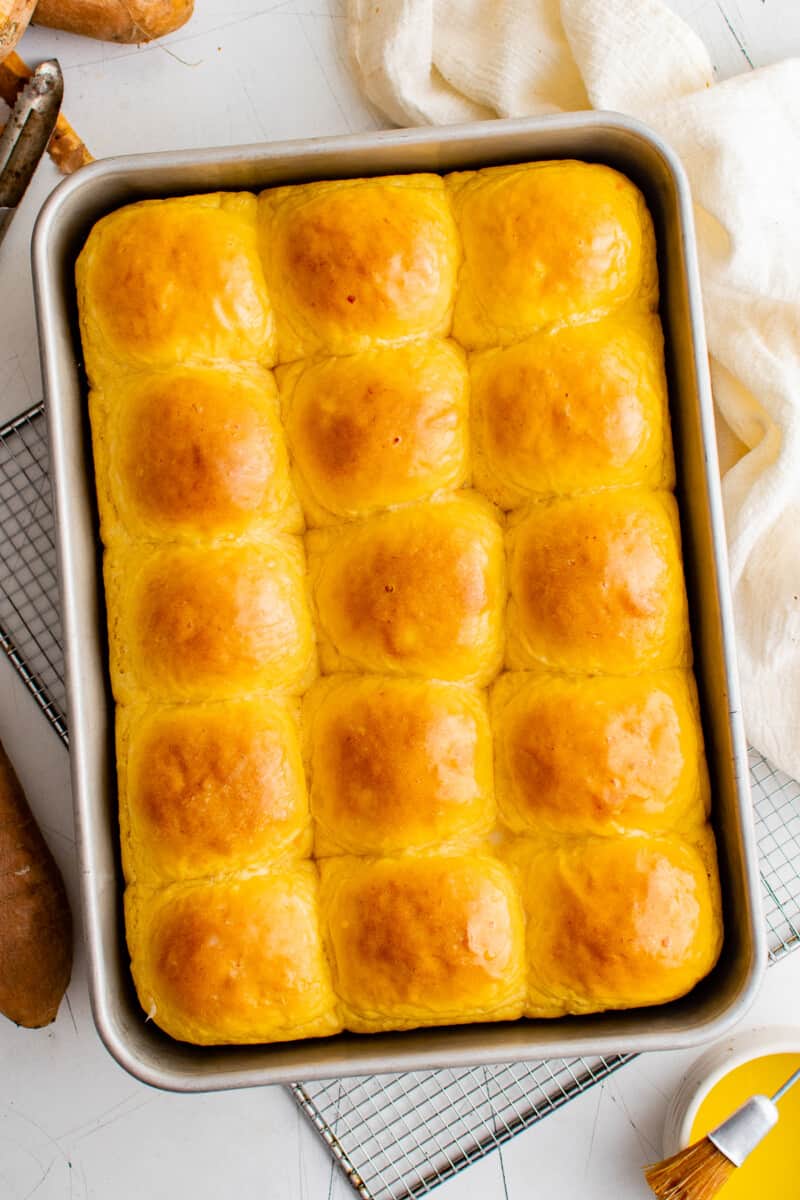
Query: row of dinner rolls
(333,268)
(564,926)
(385,766)
(377,429)
(588,584)
(466,690)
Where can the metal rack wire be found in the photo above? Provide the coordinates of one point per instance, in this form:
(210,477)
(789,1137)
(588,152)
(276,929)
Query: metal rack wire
(398,1136)
(776,801)
(30,626)
(395,1136)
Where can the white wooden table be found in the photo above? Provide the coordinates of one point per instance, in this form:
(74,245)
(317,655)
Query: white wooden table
(73,1125)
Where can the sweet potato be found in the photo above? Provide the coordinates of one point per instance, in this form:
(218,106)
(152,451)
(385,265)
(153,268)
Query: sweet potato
(14,17)
(35,919)
(115,20)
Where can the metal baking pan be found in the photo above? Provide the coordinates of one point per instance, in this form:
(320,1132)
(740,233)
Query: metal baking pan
(61,229)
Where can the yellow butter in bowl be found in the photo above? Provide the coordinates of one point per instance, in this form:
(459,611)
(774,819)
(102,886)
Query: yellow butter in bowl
(773,1169)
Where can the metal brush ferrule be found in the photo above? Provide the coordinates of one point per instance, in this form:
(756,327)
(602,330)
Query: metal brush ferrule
(737,1137)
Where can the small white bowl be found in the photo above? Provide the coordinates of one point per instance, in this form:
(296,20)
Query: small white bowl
(714,1065)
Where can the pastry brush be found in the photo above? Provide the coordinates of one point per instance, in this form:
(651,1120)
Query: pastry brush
(699,1172)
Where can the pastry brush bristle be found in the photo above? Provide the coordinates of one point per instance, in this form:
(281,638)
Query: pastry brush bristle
(697,1173)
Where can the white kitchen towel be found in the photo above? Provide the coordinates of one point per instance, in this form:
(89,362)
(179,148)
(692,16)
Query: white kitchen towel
(442,61)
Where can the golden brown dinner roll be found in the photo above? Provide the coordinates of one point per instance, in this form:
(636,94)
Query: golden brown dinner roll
(358,263)
(617,922)
(396,764)
(200,623)
(232,960)
(377,429)
(174,281)
(206,789)
(429,939)
(571,410)
(596,584)
(191,453)
(419,591)
(603,756)
(548,243)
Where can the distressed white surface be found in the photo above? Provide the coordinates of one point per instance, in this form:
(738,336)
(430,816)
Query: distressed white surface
(73,1125)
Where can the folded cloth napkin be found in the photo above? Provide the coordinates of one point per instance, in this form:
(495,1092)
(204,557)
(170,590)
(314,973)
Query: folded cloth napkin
(442,61)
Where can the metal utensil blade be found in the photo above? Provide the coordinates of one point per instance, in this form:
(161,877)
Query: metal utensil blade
(25,137)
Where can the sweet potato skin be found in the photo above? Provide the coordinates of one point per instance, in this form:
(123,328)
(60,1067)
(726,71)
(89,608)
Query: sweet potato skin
(14,17)
(115,20)
(35,918)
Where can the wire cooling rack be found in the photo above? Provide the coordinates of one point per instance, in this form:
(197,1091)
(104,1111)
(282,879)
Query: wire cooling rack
(394,1136)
